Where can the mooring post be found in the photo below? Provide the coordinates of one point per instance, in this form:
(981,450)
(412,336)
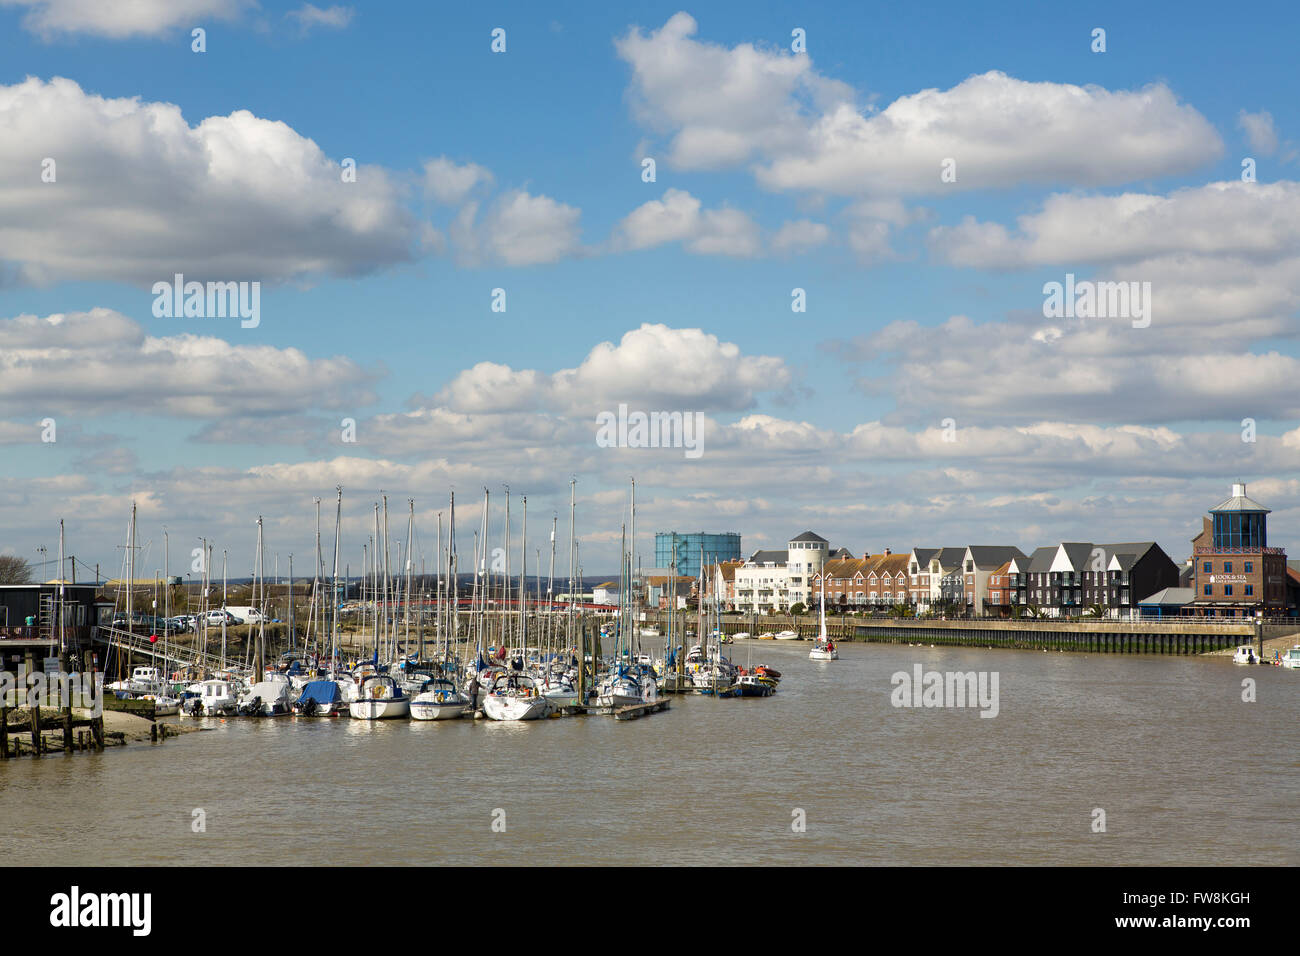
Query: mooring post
(4,732)
(67,730)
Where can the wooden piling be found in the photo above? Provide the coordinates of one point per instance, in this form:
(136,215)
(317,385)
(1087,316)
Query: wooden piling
(36,729)
(4,732)
(67,730)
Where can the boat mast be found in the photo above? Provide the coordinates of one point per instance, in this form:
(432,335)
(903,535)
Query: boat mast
(523,594)
(452,572)
(406,608)
(581,643)
(334,618)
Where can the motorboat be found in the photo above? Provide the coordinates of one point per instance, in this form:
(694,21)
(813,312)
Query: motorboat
(515,697)
(211,698)
(786,636)
(1291,659)
(439,699)
(267,698)
(1245,654)
(748,685)
(380,698)
(740,636)
(143,680)
(321,698)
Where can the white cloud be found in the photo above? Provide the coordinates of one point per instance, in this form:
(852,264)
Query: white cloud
(654,367)
(140,195)
(519,229)
(101,363)
(309,15)
(800,235)
(118,20)
(449,183)
(680,217)
(1259,131)
(731,106)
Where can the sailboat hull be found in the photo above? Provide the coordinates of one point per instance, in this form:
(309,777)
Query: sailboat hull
(437,710)
(384,709)
(514,708)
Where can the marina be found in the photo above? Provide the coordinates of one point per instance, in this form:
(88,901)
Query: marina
(714,781)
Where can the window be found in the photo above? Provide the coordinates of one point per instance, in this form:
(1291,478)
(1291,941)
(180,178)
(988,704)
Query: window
(1249,567)
(1227,590)
(1250,590)
(1227,567)
(1209,590)
(1209,566)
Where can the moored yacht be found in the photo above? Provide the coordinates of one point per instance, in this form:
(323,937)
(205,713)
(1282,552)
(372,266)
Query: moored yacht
(438,699)
(380,698)
(515,697)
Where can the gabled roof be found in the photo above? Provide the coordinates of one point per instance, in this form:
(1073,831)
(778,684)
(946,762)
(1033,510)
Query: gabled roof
(727,569)
(841,553)
(764,557)
(810,536)
(990,556)
(923,556)
(1040,562)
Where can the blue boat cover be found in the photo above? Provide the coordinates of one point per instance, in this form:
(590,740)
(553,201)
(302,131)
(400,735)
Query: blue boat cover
(321,691)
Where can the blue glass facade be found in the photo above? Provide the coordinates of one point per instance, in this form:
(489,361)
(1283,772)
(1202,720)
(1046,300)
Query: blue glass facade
(716,547)
(1240,529)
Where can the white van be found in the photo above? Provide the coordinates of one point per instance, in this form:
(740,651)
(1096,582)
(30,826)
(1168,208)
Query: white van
(247,615)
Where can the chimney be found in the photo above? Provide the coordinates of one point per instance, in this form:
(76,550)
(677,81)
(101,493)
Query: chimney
(888,552)
(1239,490)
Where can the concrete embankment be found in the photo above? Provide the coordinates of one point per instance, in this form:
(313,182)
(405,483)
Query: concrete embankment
(1105,637)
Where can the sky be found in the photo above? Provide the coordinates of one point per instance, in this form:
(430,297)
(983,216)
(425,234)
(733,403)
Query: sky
(464,260)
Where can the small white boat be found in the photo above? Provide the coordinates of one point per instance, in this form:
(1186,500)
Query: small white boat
(1291,659)
(213,698)
(439,699)
(1245,654)
(143,680)
(515,697)
(740,636)
(619,690)
(164,706)
(268,698)
(787,636)
(380,698)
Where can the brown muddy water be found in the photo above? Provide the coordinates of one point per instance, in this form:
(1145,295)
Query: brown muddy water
(1185,771)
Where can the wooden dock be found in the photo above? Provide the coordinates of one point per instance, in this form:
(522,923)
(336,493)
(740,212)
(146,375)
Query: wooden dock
(640,710)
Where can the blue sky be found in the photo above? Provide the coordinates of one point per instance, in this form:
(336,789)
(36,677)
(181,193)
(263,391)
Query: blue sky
(1063,433)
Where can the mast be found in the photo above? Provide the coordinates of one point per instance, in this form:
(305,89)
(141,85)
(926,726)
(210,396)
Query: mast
(523,594)
(406,608)
(581,643)
(452,572)
(334,618)
(62,642)
(130,576)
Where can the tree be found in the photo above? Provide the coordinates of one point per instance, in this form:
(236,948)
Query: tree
(797,609)
(14,570)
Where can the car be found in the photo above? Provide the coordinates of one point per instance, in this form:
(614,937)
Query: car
(218,617)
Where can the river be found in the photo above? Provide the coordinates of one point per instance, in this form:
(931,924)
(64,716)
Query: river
(827,771)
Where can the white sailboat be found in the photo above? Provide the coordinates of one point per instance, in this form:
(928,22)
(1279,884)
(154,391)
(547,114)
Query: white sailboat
(439,700)
(823,649)
(380,698)
(515,697)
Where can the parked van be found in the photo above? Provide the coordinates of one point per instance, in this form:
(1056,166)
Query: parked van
(247,615)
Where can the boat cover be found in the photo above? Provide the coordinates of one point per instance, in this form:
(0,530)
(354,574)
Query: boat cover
(322,692)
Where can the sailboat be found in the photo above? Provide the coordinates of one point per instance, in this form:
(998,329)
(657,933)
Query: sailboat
(515,697)
(823,649)
(439,699)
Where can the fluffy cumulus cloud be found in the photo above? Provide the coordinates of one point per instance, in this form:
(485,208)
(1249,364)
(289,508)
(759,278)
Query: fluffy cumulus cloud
(680,217)
(800,130)
(518,229)
(1259,130)
(101,363)
(451,183)
(138,194)
(654,367)
(51,18)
